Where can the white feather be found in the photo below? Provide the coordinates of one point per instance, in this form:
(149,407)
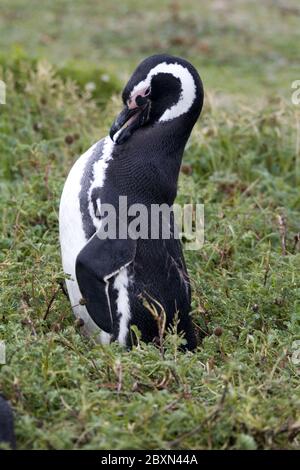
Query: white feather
(188,88)
(99,170)
(123,305)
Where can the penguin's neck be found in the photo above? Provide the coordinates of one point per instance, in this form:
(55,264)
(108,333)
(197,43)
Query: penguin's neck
(163,141)
(153,157)
(166,143)
(149,162)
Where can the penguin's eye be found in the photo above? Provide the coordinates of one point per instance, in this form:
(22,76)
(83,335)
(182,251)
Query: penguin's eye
(147,92)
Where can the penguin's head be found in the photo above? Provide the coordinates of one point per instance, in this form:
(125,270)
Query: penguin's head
(163,88)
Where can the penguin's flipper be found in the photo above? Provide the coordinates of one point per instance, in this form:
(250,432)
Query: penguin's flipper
(95,264)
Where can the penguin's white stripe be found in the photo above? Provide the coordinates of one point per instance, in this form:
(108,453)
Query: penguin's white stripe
(188,88)
(99,170)
(123,306)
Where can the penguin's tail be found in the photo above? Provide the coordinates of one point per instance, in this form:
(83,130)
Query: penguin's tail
(7,434)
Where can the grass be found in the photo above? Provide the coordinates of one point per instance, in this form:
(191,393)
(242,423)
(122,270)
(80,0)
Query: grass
(240,390)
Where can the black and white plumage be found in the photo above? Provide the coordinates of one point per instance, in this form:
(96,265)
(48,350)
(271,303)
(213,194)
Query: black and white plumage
(141,160)
(7,435)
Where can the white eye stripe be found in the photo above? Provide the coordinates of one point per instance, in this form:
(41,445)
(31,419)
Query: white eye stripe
(188,88)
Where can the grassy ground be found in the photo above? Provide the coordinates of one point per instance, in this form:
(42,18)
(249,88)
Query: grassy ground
(240,390)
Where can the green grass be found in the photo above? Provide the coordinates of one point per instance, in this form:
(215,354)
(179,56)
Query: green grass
(240,390)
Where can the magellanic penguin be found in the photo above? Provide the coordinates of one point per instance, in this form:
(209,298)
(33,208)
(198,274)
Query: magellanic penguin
(113,281)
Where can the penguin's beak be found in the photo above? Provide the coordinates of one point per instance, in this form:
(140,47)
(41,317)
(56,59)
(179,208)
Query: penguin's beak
(129,120)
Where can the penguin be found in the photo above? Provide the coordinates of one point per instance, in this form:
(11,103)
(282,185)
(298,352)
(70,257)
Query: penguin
(7,435)
(116,282)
